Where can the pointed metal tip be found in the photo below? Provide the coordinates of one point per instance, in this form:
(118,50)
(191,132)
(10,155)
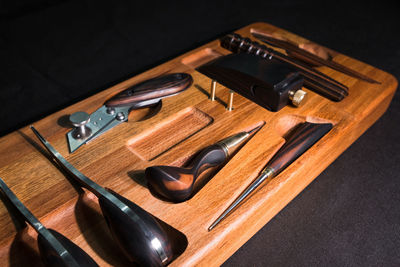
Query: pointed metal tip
(212,226)
(256,128)
(41,138)
(218,220)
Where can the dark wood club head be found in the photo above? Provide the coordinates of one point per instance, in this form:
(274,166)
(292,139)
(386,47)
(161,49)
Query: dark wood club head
(140,236)
(142,239)
(53,259)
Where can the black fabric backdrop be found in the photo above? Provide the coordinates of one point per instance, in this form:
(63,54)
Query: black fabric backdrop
(54,53)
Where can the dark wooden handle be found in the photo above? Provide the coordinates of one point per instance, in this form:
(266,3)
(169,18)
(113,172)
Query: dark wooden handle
(176,184)
(323,87)
(211,156)
(153,89)
(299,141)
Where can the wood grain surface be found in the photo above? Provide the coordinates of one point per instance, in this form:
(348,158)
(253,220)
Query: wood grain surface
(117,160)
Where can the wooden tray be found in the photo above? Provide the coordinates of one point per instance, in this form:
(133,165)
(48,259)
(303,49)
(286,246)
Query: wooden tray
(187,123)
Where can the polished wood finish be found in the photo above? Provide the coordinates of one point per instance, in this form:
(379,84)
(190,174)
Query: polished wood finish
(155,88)
(110,161)
(176,184)
(299,141)
(189,121)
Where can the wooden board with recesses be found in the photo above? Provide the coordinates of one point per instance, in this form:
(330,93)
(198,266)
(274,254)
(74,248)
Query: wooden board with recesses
(186,123)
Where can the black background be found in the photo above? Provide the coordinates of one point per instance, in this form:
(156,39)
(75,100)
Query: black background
(55,53)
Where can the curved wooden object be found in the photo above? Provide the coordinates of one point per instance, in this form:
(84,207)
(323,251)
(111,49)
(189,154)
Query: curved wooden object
(153,89)
(176,184)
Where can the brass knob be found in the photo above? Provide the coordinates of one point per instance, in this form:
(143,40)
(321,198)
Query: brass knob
(298,97)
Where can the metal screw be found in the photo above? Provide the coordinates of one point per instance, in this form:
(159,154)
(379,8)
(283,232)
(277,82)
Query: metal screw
(120,116)
(110,111)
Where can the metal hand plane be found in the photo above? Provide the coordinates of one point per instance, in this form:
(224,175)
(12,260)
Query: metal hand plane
(116,109)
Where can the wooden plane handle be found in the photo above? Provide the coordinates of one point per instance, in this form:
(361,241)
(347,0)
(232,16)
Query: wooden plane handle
(152,89)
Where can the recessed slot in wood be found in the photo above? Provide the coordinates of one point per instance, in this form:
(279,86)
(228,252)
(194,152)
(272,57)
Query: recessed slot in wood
(201,57)
(169,133)
(288,122)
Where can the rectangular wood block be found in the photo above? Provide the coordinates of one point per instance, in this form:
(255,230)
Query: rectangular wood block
(186,123)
